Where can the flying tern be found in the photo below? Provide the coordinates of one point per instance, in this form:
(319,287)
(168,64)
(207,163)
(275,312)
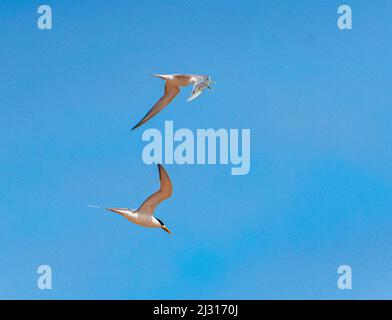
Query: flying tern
(172,87)
(144,216)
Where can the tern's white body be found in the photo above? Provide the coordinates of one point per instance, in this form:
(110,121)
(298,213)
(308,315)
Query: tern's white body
(139,218)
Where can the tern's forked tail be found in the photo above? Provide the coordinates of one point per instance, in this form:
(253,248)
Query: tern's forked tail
(92,206)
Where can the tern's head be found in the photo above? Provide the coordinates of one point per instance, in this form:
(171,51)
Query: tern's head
(163,226)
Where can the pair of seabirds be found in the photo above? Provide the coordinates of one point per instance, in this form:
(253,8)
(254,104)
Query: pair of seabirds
(144,215)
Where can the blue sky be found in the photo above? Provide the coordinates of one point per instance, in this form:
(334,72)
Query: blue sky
(317,101)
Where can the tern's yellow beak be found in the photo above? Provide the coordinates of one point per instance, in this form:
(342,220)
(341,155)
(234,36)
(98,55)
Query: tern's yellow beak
(166,229)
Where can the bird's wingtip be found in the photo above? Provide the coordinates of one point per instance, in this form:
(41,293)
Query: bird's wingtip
(135,127)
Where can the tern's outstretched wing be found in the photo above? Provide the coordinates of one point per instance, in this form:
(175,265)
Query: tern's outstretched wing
(164,192)
(170,92)
(200,85)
